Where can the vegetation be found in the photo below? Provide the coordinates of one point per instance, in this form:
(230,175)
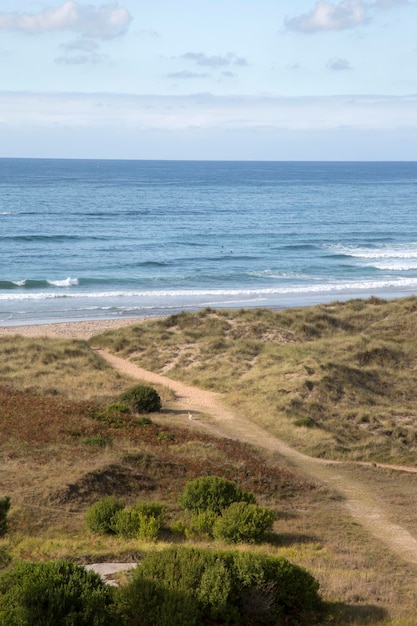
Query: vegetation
(54,594)
(4,509)
(212,493)
(142,399)
(100,517)
(337,380)
(242,522)
(220,587)
(142,521)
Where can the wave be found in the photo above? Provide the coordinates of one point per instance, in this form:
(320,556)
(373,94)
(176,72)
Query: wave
(395,266)
(264,292)
(38,284)
(404,251)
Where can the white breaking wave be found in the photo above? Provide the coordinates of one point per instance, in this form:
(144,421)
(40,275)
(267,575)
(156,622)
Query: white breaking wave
(394,266)
(406,251)
(333,287)
(68,282)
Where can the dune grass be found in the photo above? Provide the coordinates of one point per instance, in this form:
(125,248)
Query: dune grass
(336,380)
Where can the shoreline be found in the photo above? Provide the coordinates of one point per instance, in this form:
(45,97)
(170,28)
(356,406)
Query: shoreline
(70,329)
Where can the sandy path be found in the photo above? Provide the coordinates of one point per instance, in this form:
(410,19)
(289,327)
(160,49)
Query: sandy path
(210,414)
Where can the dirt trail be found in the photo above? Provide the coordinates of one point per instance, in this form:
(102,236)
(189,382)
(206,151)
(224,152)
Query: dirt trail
(207,412)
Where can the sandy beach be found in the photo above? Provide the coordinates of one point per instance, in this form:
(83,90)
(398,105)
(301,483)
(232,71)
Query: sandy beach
(69,330)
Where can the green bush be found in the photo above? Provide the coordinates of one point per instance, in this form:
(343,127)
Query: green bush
(147,603)
(212,493)
(201,525)
(100,516)
(227,587)
(4,509)
(143,521)
(55,594)
(242,522)
(142,399)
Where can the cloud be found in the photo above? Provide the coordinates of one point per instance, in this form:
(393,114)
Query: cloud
(336,64)
(389,4)
(104,22)
(343,15)
(82,59)
(215,61)
(186,75)
(327,16)
(86,45)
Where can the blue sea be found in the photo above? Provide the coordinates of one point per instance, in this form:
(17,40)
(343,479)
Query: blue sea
(86,239)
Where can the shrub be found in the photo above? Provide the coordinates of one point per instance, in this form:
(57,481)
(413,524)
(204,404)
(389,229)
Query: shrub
(201,525)
(212,493)
(4,509)
(143,521)
(227,587)
(100,516)
(142,399)
(55,594)
(242,522)
(148,603)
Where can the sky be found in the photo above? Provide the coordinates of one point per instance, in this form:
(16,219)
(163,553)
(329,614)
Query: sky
(209,79)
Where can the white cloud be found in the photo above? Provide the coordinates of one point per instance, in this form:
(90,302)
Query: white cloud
(104,22)
(82,59)
(186,75)
(327,16)
(214,61)
(344,15)
(86,45)
(336,64)
(389,4)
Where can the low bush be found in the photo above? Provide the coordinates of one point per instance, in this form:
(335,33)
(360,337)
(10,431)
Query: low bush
(4,509)
(242,522)
(220,587)
(200,525)
(56,593)
(142,399)
(148,603)
(100,517)
(143,521)
(212,493)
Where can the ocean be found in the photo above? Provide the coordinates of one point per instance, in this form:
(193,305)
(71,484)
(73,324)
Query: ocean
(95,239)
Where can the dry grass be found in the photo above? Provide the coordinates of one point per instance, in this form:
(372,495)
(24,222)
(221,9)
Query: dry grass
(58,458)
(335,380)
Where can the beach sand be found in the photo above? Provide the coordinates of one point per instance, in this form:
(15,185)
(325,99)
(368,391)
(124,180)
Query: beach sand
(69,330)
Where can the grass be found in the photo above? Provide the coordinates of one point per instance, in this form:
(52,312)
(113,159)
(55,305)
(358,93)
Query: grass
(354,360)
(335,380)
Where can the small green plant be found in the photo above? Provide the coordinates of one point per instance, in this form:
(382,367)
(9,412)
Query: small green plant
(142,399)
(4,509)
(143,521)
(100,516)
(56,593)
(243,522)
(97,440)
(212,493)
(201,525)
(148,603)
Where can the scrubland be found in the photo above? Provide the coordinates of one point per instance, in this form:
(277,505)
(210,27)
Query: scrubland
(336,381)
